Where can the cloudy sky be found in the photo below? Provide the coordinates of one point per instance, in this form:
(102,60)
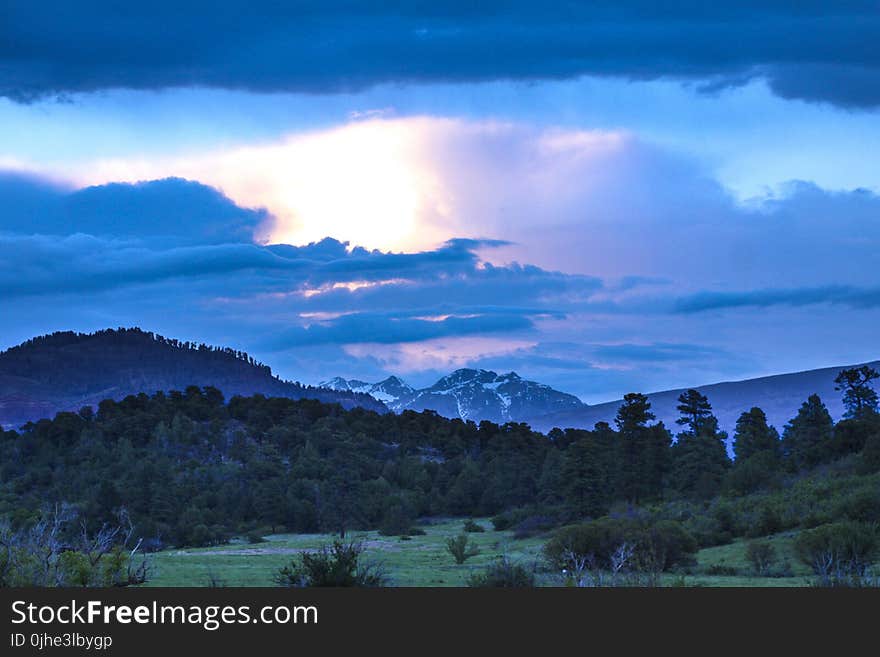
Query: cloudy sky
(602,196)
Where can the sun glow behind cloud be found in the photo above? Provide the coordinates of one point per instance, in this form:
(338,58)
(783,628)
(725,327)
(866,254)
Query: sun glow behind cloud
(367,182)
(404,184)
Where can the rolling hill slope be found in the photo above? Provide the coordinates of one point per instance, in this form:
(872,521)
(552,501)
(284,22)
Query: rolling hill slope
(65,371)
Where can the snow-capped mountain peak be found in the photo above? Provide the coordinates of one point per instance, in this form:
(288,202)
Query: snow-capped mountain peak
(469,394)
(390,390)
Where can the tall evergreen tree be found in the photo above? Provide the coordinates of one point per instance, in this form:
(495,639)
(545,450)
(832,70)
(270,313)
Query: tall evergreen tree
(587,486)
(694,408)
(656,459)
(631,420)
(753,435)
(806,440)
(644,450)
(859,398)
(700,454)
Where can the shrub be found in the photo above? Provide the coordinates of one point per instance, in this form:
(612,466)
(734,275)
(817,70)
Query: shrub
(767,522)
(862,505)
(473,527)
(255,537)
(656,546)
(870,457)
(335,565)
(461,548)
(397,520)
(533,526)
(761,555)
(503,573)
(840,553)
(201,535)
(509,518)
(721,569)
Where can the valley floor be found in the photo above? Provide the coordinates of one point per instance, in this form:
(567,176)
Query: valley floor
(425,561)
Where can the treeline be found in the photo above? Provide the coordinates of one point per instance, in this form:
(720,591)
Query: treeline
(61,339)
(190,469)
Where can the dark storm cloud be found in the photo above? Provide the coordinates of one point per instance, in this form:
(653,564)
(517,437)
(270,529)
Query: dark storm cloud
(853,297)
(181,210)
(659,352)
(391,329)
(809,50)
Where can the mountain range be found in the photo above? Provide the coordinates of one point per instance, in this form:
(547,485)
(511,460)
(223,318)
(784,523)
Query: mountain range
(469,394)
(472,394)
(66,371)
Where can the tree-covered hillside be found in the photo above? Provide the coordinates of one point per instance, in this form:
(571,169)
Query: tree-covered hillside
(191,469)
(65,371)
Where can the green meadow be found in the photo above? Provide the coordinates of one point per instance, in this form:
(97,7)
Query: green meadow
(425,561)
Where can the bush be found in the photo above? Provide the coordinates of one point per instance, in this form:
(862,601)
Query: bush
(255,537)
(473,528)
(397,520)
(533,526)
(707,530)
(870,457)
(657,545)
(767,522)
(503,573)
(840,553)
(762,555)
(722,570)
(461,549)
(862,505)
(336,565)
(757,472)
(509,518)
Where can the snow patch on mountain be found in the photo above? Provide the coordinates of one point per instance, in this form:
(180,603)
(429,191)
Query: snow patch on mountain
(469,394)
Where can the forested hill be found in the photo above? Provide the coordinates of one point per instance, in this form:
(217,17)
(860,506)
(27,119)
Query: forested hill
(67,370)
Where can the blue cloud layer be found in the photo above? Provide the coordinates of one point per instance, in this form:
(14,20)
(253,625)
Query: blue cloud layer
(808,50)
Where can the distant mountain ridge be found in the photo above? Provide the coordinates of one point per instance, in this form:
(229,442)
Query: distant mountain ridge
(469,394)
(779,396)
(65,371)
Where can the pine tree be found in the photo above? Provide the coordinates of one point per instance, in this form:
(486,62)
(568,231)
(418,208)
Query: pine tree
(631,420)
(700,461)
(753,435)
(694,408)
(587,484)
(700,458)
(643,449)
(859,397)
(806,440)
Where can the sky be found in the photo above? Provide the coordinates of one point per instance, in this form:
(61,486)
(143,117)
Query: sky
(603,196)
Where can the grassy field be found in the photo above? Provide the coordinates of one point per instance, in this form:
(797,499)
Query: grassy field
(424,560)
(420,561)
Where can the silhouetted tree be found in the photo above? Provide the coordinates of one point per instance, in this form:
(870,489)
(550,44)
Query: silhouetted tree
(806,440)
(859,397)
(694,408)
(753,435)
(700,458)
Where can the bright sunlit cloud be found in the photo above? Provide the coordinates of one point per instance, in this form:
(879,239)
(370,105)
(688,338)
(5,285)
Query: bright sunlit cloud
(391,184)
(367,182)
